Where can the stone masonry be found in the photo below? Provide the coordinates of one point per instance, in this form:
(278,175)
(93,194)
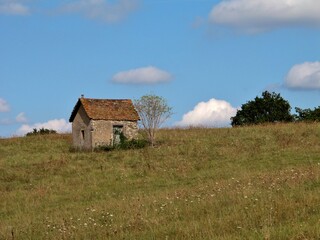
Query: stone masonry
(97,122)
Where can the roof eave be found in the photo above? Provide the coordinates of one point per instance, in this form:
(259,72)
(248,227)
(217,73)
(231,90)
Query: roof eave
(79,103)
(75,110)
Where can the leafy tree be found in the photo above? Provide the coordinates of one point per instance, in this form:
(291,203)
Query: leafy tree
(153,111)
(269,108)
(307,114)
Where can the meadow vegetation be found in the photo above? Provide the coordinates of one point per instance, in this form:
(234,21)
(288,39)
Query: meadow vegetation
(257,182)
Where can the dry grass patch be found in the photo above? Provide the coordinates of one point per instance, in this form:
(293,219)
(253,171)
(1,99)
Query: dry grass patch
(259,182)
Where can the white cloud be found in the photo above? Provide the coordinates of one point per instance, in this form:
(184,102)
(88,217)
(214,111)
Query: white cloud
(304,76)
(214,113)
(102,9)
(60,125)
(145,75)
(261,15)
(4,106)
(12,7)
(21,118)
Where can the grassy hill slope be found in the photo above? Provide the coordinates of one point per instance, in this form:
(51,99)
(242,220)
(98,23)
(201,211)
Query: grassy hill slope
(258,182)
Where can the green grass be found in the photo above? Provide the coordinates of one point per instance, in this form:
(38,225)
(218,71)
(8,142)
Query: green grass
(259,182)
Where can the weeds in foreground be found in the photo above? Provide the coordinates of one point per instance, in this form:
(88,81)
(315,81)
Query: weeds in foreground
(125,145)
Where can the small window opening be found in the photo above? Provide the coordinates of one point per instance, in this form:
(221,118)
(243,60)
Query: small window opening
(82,134)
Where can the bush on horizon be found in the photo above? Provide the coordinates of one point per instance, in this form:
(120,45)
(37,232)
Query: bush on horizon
(41,131)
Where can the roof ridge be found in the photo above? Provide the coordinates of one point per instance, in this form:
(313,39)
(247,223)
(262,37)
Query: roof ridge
(107,109)
(106,98)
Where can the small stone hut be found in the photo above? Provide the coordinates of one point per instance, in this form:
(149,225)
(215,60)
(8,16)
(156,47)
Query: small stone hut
(100,122)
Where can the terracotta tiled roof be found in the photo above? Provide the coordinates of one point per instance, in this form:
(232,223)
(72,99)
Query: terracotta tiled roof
(107,109)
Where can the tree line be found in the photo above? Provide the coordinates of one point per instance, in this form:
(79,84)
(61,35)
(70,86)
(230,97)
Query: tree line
(269,108)
(272,108)
(41,131)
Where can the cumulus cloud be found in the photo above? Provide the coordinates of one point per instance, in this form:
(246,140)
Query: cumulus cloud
(261,15)
(145,75)
(304,76)
(21,118)
(4,106)
(214,113)
(60,125)
(12,7)
(102,9)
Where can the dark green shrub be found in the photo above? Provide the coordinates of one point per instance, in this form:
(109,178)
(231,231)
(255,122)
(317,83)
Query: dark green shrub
(307,115)
(269,108)
(41,131)
(124,145)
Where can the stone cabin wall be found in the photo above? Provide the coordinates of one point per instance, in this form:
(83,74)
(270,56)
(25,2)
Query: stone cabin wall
(102,133)
(81,130)
(88,133)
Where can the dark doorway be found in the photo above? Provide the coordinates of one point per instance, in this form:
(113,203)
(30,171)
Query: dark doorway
(117,131)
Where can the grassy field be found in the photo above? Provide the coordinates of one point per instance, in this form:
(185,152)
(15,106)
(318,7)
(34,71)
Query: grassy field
(258,182)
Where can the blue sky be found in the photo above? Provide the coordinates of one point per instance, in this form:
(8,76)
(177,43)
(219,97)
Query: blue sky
(206,57)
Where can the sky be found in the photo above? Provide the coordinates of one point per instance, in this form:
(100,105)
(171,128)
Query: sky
(205,57)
